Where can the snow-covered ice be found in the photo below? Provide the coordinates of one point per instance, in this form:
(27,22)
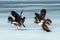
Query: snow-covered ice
(32,31)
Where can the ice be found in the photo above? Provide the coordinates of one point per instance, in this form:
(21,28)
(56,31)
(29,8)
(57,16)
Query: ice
(32,31)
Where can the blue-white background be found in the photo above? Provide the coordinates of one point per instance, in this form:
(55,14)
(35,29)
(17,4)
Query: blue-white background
(32,31)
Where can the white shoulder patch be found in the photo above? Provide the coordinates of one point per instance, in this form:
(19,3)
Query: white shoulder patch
(13,24)
(40,23)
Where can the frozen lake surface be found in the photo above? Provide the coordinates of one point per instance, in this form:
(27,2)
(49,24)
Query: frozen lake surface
(32,31)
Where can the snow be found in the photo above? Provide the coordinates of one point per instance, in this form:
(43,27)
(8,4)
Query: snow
(32,31)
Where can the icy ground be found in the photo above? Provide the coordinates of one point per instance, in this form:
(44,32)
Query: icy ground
(32,31)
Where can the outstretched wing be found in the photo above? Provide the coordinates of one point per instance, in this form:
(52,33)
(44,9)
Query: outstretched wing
(21,13)
(23,20)
(37,15)
(14,14)
(20,16)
